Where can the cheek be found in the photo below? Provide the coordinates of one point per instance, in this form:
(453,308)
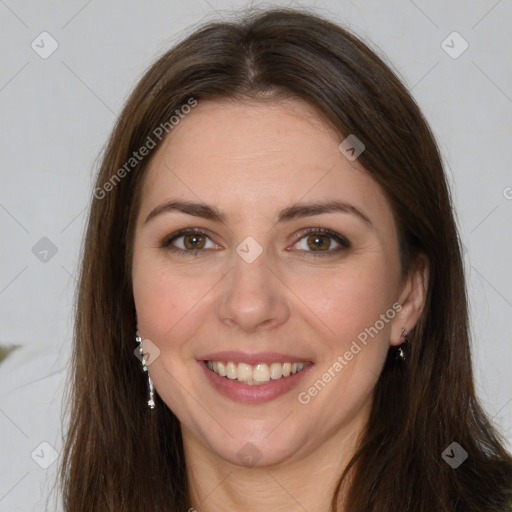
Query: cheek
(156,301)
(349,301)
(166,302)
(353,352)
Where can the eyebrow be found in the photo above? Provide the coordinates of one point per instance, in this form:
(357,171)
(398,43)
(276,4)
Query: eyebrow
(290,213)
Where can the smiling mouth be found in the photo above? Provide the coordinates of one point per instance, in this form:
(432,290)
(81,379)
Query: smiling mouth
(261,373)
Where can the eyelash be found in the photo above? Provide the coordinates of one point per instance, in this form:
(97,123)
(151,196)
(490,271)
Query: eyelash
(340,239)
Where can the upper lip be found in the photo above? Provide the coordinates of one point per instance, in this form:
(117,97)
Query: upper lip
(253,358)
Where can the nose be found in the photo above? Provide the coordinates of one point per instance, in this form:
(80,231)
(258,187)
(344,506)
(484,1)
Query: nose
(253,298)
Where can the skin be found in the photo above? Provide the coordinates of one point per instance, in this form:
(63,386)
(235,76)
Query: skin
(251,160)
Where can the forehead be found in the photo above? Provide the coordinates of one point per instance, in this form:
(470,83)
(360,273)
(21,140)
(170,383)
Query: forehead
(257,157)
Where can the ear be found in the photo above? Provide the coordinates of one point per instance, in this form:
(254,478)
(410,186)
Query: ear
(412,298)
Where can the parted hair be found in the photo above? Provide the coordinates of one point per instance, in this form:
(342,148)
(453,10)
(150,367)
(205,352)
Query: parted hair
(121,456)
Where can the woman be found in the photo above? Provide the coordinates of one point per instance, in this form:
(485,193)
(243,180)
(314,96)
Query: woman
(272,235)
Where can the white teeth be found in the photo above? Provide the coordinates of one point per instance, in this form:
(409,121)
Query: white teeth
(244,372)
(276,371)
(230,370)
(221,369)
(261,373)
(254,374)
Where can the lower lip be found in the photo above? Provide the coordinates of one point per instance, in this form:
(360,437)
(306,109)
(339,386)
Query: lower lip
(257,393)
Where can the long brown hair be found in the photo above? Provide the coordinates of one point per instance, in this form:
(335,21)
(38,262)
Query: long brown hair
(119,455)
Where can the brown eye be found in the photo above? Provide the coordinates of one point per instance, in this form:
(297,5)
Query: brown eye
(319,242)
(190,242)
(194,241)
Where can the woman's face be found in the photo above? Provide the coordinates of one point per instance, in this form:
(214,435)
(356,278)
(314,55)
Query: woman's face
(289,258)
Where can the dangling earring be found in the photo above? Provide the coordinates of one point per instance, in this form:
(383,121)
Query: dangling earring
(400,354)
(151,400)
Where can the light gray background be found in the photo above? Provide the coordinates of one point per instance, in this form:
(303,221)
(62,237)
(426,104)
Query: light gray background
(57,114)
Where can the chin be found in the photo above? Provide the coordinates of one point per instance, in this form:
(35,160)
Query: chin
(269,446)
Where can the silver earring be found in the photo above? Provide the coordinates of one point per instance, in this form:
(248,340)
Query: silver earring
(400,354)
(151,399)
